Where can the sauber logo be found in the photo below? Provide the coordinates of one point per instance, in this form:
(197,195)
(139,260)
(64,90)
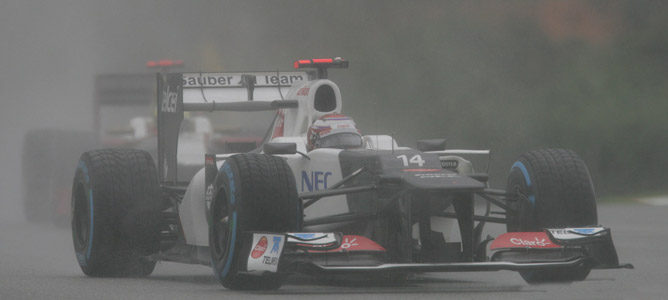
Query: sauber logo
(535,242)
(207,80)
(260,248)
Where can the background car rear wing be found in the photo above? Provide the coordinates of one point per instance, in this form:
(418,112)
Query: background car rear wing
(122,89)
(180,92)
(128,89)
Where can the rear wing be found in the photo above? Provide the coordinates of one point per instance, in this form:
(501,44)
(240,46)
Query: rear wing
(126,89)
(181,92)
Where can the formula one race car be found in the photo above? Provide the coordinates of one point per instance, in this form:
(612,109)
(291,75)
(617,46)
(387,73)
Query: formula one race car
(319,198)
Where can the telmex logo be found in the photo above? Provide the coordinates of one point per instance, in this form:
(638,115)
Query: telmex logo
(314,180)
(535,242)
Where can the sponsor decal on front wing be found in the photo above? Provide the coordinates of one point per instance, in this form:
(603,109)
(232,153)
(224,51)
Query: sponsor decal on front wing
(311,237)
(538,240)
(265,252)
(575,233)
(353,243)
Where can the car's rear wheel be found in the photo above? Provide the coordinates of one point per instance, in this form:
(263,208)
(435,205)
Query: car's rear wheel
(116,212)
(254,192)
(552,188)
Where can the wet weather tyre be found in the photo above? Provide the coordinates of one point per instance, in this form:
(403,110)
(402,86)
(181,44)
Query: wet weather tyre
(551,188)
(253,192)
(116,208)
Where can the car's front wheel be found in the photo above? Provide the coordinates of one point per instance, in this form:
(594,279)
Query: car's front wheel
(254,192)
(551,188)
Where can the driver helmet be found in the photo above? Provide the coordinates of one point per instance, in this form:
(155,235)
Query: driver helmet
(333,131)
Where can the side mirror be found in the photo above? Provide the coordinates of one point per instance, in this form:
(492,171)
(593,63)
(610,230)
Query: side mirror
(280,148)
(431,145)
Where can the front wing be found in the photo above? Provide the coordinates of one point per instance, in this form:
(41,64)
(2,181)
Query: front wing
(336,254)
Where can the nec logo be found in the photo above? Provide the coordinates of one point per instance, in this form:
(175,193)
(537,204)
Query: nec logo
(314,180)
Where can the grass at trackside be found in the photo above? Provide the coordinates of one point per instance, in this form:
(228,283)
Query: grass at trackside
(630,198)
(616,199)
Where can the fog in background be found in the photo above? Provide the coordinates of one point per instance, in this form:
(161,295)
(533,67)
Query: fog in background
(507,75)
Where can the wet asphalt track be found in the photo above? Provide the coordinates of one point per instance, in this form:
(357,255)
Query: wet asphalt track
(37,262)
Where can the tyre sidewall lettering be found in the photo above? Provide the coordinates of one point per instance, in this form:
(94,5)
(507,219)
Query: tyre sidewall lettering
(226,182)
(104,250)
(83,255)
(243,180)
(556,191)
(526,206)
(527,181)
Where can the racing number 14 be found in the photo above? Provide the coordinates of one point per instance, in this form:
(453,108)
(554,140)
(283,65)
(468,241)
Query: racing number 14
(416,159)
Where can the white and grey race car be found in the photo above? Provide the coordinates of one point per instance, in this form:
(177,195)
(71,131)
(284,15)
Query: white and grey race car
(284,208)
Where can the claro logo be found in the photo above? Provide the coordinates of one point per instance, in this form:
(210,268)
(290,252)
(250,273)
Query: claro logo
(260,248)
(535,242)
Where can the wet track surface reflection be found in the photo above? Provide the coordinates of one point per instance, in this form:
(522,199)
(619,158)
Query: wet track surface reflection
(37,262)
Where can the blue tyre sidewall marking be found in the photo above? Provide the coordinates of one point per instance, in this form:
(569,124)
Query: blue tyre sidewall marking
(84,170)
(228,262)
(233,226)
(90,232)
(532,199)
(519,165)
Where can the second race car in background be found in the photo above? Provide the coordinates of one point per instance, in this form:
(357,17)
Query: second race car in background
(124,117)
